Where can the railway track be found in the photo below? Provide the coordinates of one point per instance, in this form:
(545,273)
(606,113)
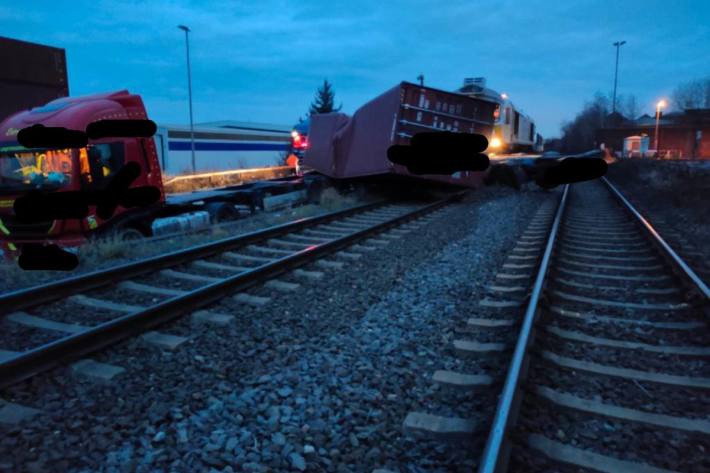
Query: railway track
(590,349)
(44,326)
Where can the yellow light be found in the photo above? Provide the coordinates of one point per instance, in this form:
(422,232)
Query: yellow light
(495,143)
(294,133)
(660,104)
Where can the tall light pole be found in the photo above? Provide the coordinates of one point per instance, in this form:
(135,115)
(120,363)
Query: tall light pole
(618,45)
(659,105)
(189,93)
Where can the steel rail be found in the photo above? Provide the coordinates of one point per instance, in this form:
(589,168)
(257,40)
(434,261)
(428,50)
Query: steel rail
(495,454)
(686,271)
(47,356)
(36,295)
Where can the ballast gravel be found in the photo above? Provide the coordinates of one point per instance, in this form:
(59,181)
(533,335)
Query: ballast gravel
(319,379)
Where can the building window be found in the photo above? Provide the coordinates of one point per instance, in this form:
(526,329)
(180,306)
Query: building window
(419,116)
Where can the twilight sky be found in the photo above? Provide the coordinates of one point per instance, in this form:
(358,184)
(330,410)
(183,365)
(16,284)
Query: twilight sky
(262,60)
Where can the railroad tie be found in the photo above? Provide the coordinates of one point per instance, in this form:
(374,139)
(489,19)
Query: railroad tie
(491,323)
(171,273)
(201,264)
(610,342)
(148,289)
(499,304)
(348,255)
(14,414)
(302,273)
(442,428)
(164,341)
(470,347)
(363,248)
(95,370)
(638,375)
(104,305)
(518,266)
(282,285)
(587,459)
(461,380)
(507,289)
(325,264)
(624,413)
(215,318)
(33,321)
(594,318)
(255,301)
(240,257)
(625,305)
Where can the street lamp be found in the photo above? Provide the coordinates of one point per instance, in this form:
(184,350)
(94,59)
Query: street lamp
(659,105)
(189,93)
(618,45)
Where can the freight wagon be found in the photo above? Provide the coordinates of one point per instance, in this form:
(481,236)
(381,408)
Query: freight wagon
(340,146)
(221,146)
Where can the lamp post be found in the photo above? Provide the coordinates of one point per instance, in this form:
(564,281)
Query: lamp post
(618,45)
(659,105)
(189,94)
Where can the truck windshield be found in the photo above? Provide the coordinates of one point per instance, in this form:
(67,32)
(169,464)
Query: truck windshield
(23,169)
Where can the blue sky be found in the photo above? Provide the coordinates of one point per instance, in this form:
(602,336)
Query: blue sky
(263,60)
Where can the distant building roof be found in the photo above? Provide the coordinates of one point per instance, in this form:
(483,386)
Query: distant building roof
(690,117)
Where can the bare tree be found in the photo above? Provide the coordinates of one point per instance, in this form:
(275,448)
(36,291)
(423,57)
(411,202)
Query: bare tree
(692,94)
(628,106)
(580,133)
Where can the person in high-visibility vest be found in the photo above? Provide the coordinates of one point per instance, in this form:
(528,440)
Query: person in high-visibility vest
(293,162)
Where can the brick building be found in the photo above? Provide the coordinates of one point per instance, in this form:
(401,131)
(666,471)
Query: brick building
(684,135)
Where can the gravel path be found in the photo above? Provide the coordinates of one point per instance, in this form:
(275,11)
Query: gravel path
(318,380)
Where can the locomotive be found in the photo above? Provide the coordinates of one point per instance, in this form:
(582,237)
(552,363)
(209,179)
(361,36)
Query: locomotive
(513,131)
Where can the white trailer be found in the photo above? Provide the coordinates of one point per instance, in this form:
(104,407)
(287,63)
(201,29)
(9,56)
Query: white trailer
(221,146)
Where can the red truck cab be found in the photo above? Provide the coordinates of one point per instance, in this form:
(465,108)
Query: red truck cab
(63,170)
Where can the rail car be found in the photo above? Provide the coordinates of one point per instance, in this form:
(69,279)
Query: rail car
(513,130)
(344,147)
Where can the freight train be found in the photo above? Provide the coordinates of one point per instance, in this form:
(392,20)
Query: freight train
(513,131)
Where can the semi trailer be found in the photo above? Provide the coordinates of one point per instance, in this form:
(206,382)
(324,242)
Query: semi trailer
(345,147)
(89,168)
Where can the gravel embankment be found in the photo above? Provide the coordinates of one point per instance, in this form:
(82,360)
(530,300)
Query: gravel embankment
(673,196)
(317,380)
(110,253)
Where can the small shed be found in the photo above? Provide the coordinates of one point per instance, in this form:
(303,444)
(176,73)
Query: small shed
(636,146)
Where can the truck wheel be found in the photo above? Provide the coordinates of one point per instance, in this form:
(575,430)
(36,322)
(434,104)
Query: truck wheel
(129,233)
(221,212)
